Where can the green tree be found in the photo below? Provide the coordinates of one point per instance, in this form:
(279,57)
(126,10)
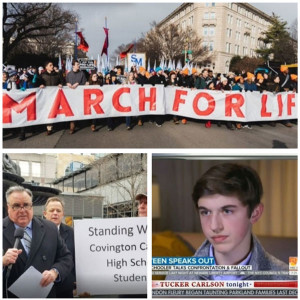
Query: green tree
(276,42)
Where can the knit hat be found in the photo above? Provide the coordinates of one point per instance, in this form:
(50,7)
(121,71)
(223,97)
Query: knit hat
(237,78)
(283,68)
(250,75)
(142,69)
(294,77)
(223,78)
(185,71)
(259,76)
(158,69)
(12,73)
(194,70)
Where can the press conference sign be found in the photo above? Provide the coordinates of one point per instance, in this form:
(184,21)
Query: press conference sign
(53,104)
(111,256)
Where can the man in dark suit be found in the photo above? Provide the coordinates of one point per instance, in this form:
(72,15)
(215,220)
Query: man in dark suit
(45,251)
(54,212)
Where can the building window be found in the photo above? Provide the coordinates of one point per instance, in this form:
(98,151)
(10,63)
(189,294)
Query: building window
(205,30)
(212,31)
(24,166)
(206,16)
(212,15)
(213,4)
(211,46)
(36,169)
(245,51)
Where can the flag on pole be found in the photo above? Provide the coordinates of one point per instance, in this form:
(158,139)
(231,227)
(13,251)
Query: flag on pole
(124,53)
(69,64)
(148,65)
(105,45)
(59,63)
(83,44)
(98,64)
(154,65)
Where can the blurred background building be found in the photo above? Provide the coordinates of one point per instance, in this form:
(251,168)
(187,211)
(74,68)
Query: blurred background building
(92,185)
(226,29)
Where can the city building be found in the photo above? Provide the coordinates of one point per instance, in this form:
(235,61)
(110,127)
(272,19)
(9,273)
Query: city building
(116,178)
(226,29)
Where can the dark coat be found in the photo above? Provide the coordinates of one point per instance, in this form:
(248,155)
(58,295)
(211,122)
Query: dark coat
(65,288)
(48,251)
(51,79)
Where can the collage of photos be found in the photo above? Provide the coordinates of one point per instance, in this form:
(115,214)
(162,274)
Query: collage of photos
(193,105)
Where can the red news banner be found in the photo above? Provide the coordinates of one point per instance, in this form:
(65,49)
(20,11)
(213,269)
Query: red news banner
(52,104)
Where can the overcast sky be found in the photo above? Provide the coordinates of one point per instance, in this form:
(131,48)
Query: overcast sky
(127,21)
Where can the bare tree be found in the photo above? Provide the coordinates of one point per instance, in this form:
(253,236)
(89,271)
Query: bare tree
(28,24)
(170,42)
(126,173)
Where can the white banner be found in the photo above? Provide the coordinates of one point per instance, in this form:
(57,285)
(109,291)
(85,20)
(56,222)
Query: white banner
(51,104)
(111,256)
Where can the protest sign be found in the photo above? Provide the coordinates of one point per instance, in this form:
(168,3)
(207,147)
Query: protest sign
(52,104)
(111,256)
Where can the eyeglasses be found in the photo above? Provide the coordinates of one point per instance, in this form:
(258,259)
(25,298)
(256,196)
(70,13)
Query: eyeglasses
(18,207)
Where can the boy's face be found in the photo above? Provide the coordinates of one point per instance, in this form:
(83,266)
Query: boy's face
(226,224)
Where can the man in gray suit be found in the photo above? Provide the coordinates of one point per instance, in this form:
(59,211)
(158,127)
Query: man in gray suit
(45,251)
(54,212)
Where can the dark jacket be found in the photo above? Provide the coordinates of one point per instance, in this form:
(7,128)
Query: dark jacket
(65,288)
(51,79)
(48,251)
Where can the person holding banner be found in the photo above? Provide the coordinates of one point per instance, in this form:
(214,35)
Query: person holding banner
(40,246)
(50,78)
(54,212)
(228,200)
(94,79)
(74,79)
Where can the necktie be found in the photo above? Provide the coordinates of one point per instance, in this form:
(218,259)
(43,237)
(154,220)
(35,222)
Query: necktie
(27,242)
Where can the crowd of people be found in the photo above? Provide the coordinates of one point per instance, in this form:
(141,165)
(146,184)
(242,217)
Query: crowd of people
(195,78)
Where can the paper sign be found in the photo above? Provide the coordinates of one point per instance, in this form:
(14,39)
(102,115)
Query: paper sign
(111,256)
(28,285)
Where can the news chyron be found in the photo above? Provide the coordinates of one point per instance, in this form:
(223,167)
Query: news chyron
(201,277)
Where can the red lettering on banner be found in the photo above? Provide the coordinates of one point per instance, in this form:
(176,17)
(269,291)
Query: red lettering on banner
(263,111)
(116,100)
(178,99)
(211,104)
(60,106)
(280,105)
(290,103)
(29,103)
(230,106)
(89,102)
(143,99)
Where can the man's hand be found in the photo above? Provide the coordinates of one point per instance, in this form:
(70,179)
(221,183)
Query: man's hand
(48,277)
(42,86)
(11,256)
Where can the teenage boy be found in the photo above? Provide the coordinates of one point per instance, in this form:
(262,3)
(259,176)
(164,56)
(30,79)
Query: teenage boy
(228,198)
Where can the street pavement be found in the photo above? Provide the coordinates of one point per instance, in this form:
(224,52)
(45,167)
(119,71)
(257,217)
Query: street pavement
(191,135)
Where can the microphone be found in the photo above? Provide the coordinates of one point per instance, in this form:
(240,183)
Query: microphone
(18,234)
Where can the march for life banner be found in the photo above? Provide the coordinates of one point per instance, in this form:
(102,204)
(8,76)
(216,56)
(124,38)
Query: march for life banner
(111,256)
(52,104)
